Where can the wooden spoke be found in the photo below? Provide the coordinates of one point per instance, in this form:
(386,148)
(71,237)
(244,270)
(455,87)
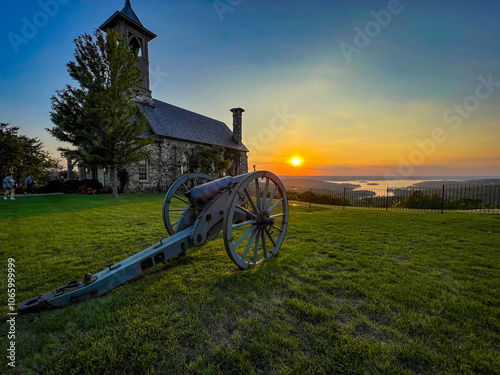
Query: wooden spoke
(256,250)
(264,194)
(275,205)
(249,197)
(249,244)
(275,227)
(244,223)
(276,216)
(242,238)
(245,210)
(257,194)
(264,245)
(177,210)
(181,199)
(270,200)
(270,237)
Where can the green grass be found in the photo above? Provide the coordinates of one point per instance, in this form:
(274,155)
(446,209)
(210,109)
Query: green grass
(351,292)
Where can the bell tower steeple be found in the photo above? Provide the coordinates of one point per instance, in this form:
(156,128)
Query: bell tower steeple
(128,24)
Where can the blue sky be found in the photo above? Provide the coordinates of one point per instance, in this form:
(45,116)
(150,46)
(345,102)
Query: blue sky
(363,117)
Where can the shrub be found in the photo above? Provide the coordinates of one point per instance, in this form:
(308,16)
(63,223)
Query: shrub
(310,197)
(87,190)
(105,190)
(419,200)
(73,186)
(69,187)
(51,187)
(293,195)
(463,204)
(23,189)
(94,184)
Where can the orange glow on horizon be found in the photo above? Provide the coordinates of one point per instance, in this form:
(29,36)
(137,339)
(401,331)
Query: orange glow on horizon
(298,161)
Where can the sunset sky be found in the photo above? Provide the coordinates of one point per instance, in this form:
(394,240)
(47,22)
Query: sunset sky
(349,87)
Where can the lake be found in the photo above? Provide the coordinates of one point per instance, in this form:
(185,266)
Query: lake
(381,184)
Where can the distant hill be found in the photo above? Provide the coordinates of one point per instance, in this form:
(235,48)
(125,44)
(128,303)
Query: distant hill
(438,184)
(299,183)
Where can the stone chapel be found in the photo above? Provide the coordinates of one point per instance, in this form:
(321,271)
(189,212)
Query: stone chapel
(176,131)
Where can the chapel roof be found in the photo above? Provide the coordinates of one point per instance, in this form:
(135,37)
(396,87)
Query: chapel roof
(169,121)
(126,14)
(129,12)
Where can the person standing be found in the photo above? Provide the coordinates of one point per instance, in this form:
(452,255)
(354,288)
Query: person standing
(29,184)
(9,186)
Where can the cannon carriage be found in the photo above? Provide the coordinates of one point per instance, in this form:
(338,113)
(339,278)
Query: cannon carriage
(251,212)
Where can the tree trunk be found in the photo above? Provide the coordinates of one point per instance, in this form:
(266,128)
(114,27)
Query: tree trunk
(17,176)
(114,185)
(69,176)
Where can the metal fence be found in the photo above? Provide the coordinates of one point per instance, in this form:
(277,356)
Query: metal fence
(472,198)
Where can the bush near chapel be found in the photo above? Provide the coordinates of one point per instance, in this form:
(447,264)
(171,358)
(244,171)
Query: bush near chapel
(73,187)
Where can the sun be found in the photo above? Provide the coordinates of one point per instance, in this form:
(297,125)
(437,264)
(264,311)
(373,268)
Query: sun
(296,162)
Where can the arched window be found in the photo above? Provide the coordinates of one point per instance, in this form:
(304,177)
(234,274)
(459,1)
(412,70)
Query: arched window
(136,45)
(144,170)
(185,164)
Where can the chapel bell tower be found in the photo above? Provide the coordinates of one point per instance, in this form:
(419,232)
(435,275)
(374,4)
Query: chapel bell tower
(128,24)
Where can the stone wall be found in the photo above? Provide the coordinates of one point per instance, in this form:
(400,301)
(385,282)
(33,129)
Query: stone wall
(243,164)
(165,157)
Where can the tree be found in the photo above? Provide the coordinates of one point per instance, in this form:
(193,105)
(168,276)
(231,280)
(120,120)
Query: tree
(209,160)
(100,117)
(8,147)
(31,158)
(22,155)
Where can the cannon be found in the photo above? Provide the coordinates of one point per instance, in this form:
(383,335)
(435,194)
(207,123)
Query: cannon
(250,210)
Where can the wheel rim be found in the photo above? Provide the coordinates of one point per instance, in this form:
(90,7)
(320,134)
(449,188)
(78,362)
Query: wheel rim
(176,204)
(261,198)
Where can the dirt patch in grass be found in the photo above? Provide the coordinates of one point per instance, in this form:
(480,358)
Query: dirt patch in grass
(402,260)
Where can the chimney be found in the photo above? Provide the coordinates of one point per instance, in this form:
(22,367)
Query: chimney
(238,125)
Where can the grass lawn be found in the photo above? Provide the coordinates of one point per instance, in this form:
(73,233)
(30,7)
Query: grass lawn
(351,292)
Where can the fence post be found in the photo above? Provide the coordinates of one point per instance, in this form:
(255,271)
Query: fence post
(442,201)
(387,200)
(310,197)
(343,201)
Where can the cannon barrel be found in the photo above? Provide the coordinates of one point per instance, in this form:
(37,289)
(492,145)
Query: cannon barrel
(200,196)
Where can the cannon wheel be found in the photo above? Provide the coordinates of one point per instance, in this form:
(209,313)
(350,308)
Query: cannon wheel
(261,197)
(175,203)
